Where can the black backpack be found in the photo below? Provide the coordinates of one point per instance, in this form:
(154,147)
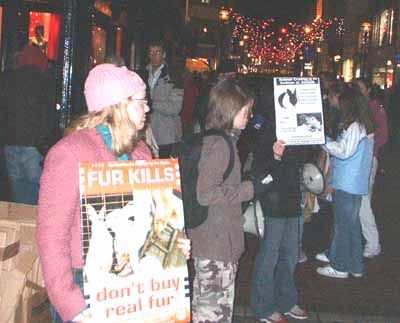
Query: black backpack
(188,152)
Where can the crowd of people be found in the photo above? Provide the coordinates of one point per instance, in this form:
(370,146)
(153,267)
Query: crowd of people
(142,117)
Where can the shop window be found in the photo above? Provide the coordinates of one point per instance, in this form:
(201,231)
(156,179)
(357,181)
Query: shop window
(383,28)
(44,31)
(197,64)
(99,36)
(379,76)
(364,36)
(348,70)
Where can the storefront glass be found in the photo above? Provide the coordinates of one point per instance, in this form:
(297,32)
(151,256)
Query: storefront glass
(383,28)
(378,76)
(44,31)
(383,76)
(99,36)
(348,70)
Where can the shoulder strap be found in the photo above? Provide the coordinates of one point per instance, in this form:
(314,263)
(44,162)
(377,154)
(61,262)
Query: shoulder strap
(215,132)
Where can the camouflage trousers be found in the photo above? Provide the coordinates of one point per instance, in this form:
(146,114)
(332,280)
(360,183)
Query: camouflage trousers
(213,291)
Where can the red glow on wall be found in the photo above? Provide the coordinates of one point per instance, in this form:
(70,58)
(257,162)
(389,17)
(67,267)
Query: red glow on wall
(51,23)
(99,36)
(118,46)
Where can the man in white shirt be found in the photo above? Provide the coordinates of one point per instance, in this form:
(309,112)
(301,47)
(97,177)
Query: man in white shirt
(166,101)
(156,55)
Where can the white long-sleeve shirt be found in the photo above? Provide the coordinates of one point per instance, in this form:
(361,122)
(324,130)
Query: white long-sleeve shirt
(347,143)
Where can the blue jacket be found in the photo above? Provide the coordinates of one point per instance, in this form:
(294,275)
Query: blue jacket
(351,160)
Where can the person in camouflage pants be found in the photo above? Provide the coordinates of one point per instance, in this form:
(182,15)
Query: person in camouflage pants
(218,242)
(213,291)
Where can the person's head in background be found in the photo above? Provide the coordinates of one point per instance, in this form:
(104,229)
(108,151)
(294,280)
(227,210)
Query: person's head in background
(334,95)
(363,86)
(376,93)
(354,107)
(265,105)
(328,80)
(115,97)
(156,54)
(371,91)
(39,31)
(229,106)
(115,60)
(226,70)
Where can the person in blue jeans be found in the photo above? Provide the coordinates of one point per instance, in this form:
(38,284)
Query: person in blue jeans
(24,170)
(273,289)
(351,161)
(28,121)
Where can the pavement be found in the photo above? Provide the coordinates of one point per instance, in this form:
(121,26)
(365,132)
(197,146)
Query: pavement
(374,298)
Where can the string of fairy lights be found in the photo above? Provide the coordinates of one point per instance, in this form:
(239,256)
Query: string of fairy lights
(266,42)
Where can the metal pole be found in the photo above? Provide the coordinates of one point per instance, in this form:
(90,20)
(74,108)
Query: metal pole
(187,14)
(70,12)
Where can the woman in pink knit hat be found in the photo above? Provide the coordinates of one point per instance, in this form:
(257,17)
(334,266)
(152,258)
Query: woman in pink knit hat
(117,107)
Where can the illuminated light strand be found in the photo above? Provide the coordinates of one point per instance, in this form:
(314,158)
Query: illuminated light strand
(265,41)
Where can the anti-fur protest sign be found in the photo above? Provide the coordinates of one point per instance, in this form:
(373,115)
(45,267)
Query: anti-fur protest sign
(132,216)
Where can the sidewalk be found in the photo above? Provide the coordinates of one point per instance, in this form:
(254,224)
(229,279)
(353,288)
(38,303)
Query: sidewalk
(241,316)
(375,297)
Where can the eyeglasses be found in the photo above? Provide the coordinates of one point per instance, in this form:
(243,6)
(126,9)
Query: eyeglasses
(144,101)
(155,52)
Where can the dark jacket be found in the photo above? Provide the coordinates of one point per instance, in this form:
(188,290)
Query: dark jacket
(27,102)
(284,197)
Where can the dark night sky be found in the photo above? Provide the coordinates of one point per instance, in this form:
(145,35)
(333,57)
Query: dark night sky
(282,10)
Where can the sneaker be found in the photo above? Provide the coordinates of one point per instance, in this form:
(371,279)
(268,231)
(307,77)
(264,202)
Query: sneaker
(357,275)
(274,318)
(302,258)
(297,313)
(328,271)
(322,257)
(371,254)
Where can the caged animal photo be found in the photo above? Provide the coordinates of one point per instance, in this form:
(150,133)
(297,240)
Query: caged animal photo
(117,235)
(125,234)
(288,99)
(311,122)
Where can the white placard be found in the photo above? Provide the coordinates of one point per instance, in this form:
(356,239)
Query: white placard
(298,110)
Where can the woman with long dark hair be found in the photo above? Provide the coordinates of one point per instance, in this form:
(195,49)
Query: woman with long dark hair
(351,160)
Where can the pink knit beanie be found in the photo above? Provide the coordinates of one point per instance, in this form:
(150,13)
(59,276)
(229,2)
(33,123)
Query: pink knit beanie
(108,84)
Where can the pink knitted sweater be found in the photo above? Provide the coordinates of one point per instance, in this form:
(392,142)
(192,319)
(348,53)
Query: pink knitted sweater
(59,220)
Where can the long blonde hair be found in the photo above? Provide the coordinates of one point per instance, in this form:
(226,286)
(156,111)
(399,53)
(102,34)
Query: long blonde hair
(123,130)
